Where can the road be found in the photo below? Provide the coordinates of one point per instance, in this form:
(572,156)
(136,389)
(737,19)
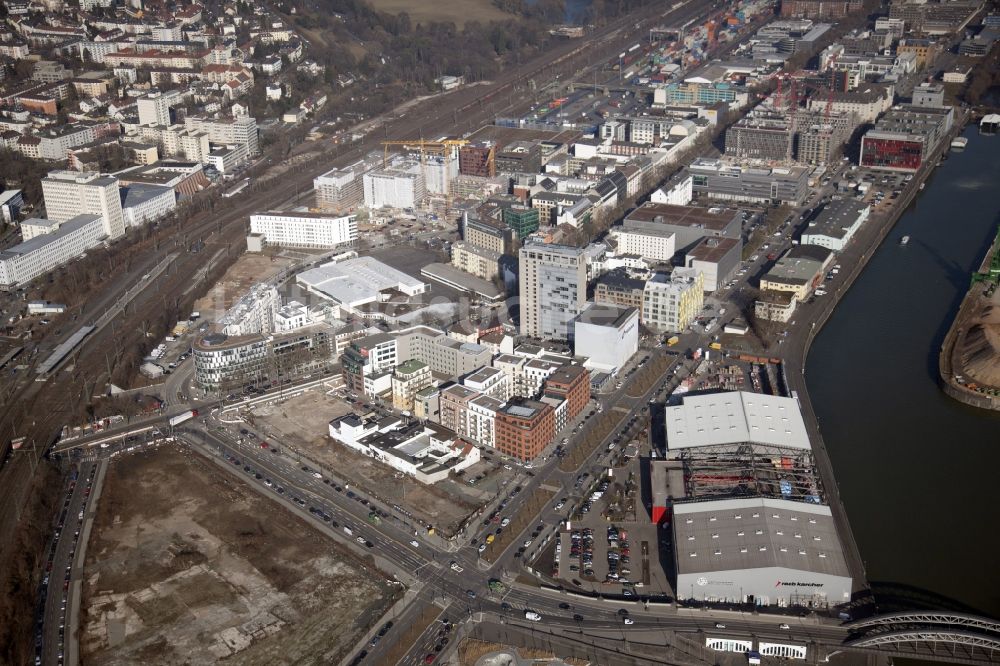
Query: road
(58,592)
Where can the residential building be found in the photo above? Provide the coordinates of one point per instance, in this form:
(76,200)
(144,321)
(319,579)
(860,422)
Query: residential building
(70,193)
(553,288)
(343,189)
(835,226)
(671,302)
(481,416)
(401,187)
(41,253)
(653,245)
(241,130)
(866,103)
(307,230)
(490,381)
(519,157)
(617,288)
(427,404)
(924,50)
(454,407)
(367,357)
(488,234)
(524,428)
(478,261)
(408,379)
(607,336)
(154,108)
(904,137)
(572,384)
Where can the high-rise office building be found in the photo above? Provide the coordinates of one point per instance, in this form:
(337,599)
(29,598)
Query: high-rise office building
(71,193)
(553,288)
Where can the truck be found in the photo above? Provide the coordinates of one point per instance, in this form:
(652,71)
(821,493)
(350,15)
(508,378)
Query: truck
(182,417)
(673,340)
(715,345)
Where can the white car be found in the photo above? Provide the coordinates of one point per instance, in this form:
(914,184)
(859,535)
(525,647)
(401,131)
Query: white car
(482,547)
(414,543)
(532,615)
(783,626)
(560,505)
(505,522)
(629,620)
(527,542)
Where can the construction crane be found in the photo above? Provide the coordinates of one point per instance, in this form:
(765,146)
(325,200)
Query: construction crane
(442,148)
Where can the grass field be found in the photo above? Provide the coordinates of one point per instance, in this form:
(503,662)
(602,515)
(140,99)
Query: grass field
(456,11)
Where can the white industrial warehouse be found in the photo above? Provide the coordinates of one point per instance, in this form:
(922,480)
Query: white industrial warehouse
(759,550)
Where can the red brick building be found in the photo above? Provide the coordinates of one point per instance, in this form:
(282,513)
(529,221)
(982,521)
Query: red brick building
(476,160)
(572,384)
(524,428)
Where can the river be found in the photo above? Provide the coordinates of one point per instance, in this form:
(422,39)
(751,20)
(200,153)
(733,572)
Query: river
(918,472)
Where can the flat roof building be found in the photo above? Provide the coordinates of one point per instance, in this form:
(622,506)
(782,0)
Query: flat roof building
(354,282)
(688,224)
(607,335)
(306,230)
(729,181)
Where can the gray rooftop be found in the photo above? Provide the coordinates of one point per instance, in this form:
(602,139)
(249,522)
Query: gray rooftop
(756,533)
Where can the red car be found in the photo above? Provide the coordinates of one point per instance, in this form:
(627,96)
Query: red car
(263,445)
(429,659)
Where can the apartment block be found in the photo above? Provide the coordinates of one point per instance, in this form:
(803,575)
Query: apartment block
(24,262)
(524,429)
(671,302)
(553,288)
(306,230)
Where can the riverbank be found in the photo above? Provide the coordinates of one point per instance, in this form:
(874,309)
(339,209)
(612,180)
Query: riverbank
(958,381)
(854,259)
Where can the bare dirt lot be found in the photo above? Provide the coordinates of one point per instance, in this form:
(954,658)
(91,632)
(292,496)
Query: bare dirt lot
(301,424)
(456,11)
(248,270)
(187,565)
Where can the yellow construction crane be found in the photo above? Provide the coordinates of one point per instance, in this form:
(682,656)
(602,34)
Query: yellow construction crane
(442,148)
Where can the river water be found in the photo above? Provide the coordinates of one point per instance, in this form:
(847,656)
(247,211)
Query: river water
(918,472)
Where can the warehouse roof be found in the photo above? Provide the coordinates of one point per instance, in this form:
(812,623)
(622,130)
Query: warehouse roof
(356,281)
(755,533)
(736,417)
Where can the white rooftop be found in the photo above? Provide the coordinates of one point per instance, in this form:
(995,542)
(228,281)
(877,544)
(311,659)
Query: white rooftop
(735,417)
(357,281)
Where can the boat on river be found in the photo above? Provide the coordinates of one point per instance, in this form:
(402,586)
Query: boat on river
(904,240)
(959,143)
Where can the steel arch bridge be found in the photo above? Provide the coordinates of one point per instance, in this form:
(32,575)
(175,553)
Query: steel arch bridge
(936,636)
(925,618)
(953,647)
